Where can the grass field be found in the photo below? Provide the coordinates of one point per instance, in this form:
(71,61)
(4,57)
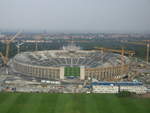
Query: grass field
(71,103)
(72,71)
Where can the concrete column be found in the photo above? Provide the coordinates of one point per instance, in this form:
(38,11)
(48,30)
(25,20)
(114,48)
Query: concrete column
(62,72)
(82,73)
(44,73)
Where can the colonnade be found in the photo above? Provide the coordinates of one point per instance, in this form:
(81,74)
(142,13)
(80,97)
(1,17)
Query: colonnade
(38,71)
(57,73)
(106,73)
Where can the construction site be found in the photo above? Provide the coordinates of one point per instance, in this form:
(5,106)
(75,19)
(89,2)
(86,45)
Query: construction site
(73,70)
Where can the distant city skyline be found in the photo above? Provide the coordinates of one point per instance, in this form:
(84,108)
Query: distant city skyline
(115,16)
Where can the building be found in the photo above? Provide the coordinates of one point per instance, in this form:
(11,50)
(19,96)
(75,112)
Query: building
(115,87)
(51,64)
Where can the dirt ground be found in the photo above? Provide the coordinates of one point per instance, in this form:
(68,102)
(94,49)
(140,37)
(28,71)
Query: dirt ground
(147,95)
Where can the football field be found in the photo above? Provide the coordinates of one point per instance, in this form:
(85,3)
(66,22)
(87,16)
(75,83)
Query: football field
(72,71)
(71,103)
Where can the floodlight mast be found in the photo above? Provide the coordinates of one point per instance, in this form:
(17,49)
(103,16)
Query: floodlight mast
(18,46)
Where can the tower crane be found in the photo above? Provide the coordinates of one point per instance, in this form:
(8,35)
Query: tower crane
(5,57)
(120,51)
(143,43)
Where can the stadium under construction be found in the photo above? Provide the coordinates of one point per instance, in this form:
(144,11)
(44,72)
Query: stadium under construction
(71,70)
(72,61)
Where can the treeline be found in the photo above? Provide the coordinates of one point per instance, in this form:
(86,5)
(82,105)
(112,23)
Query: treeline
(140,50)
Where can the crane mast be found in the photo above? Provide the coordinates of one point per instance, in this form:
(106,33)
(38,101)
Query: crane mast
(143,43)
(122,52)
(7,42)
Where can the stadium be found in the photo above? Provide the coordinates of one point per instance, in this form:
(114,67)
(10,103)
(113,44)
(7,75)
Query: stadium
(71,61)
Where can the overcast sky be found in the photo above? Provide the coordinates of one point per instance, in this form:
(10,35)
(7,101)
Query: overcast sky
(76,15)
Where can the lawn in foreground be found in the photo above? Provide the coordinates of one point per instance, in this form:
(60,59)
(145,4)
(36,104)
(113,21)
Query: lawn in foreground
(71,103)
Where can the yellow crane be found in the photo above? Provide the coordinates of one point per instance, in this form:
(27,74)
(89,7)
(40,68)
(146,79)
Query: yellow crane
(143,43)
(120,51)
(5,57)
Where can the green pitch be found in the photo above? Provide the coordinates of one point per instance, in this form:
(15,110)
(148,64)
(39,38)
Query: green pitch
(72,71)
(71,103)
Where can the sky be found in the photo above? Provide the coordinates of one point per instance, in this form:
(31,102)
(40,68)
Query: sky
(76,15)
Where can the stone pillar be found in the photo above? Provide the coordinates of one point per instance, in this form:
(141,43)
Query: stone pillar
(82,73)
(62,72)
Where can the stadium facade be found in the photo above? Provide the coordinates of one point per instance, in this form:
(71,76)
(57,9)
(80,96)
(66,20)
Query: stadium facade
(51,64)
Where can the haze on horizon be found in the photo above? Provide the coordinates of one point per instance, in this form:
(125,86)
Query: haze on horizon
(76,15)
